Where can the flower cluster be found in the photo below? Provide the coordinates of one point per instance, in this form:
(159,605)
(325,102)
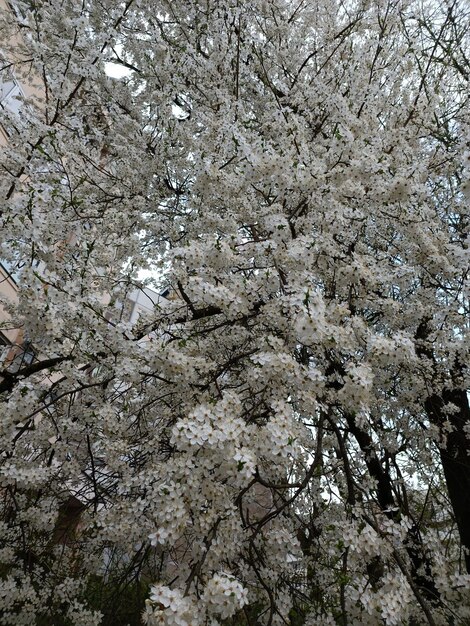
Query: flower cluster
(224,595)
(211,426)
(237,270)
(169,607)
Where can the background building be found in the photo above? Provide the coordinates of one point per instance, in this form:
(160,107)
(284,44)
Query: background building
(12,95)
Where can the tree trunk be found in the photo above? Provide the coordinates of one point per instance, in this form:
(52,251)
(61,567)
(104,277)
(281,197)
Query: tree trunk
(455,457)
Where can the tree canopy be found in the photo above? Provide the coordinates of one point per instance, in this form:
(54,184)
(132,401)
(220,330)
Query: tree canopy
(285,437)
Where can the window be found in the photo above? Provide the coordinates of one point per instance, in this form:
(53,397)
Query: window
(5,348)
(12,269)
(24,356)
(10,92)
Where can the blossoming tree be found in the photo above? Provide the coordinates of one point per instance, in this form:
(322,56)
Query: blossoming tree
(285,439)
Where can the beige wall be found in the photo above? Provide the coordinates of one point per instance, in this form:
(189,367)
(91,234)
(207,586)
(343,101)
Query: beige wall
(8,287)
(11,49)
(9,290)
(3,137)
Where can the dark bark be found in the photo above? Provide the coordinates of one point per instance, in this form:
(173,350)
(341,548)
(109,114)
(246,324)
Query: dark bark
(420,566)
(8,379)
(455,457)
